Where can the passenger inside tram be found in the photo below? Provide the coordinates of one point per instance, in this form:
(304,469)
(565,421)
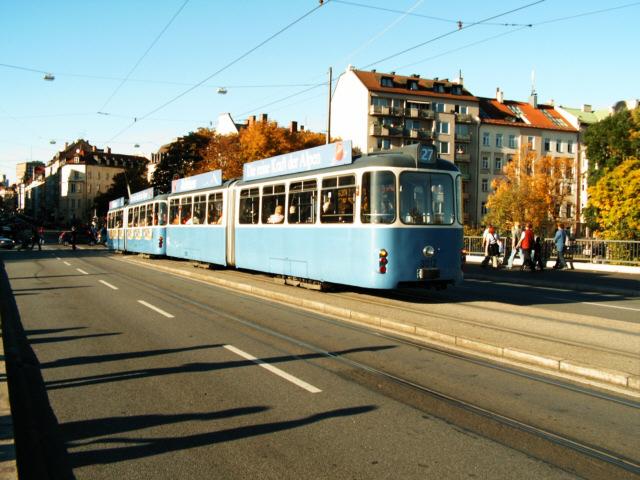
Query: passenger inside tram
(277,216)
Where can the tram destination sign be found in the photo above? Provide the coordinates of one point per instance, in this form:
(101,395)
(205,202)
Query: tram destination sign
(325,156)
(117,203)
(141,196)
(197,182)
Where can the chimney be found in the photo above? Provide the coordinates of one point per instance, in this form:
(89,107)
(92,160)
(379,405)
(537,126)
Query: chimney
(263,117)
(93,148)
(302,128)
(392,73)
(108,150)
(251,120)
(586,108)
(533,100)
(66,145)
(293,126)
(499,95)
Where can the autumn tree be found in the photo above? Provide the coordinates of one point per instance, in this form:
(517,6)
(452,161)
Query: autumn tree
(612,140)
(182,158)
(615,200)
(530,190)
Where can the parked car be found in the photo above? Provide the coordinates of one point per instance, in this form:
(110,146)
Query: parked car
(83,236)
(7,243)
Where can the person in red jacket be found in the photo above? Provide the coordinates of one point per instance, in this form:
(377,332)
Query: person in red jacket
(526,244)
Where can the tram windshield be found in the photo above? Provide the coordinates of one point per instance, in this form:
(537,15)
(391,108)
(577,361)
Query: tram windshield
(426,198)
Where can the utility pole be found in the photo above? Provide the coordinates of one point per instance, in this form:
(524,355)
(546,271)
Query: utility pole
(329,110)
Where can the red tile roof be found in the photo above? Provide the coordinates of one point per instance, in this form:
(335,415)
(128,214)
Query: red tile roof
(508,113)
(372,80)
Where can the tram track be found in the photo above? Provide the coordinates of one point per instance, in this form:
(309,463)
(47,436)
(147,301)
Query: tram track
(571,454)
(399,296)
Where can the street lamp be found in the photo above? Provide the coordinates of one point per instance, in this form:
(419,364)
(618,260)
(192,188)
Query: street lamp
(49,77)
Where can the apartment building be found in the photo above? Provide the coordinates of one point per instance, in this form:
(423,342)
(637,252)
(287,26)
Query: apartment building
(508,127)
(382,111)
(74,177)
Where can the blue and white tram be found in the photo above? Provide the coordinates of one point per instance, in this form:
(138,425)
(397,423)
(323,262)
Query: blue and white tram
(382,221)
(146,223)
(197,227)
(115,223)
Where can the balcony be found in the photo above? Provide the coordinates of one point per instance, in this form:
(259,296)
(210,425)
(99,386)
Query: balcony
(396,111)
(464,118)
(378,110)
(411,112)
(425,134)
(428,114)
(463,137)
(462,157)
(411,132)
(378,130)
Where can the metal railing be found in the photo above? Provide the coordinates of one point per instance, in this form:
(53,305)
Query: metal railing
(615,252)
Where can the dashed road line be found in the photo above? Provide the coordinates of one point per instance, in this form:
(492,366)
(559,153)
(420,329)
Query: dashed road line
(153,307)
(112,287)
(275,370)
(82,271)
(67,263)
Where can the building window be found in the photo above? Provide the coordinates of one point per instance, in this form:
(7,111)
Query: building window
(89,188)
(73,188)
(485,185)
(513,142)
(547,145)
(384,144)
(569,146)
(380,101)
(486,139)
(483,208)
(412,84)
(386,82)
(438,107)
(531,142)
(463,109)
(569,213)
(558,145)
(485,162)
(498,164)
(73,203)
(442,127)
(443,147)
(498,140)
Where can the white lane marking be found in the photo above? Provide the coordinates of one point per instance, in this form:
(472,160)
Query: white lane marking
(112,287)
(58,258)
(612,306)
(82,271)
(296,381)
(67,263)
(152,307)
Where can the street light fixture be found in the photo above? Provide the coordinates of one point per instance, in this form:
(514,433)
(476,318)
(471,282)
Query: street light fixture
(49,77)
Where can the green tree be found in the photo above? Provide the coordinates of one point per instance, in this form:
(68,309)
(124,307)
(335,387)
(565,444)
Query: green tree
(613,200)
(135,177)
(610,141)
(182,158)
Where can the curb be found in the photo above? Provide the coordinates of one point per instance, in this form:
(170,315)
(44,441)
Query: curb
(621,382)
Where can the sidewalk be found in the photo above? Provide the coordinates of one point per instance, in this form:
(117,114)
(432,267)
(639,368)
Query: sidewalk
(593,277)
(585,349)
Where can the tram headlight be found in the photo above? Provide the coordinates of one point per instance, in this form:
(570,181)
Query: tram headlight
(428,251)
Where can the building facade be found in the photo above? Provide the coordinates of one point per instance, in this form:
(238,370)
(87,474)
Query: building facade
(382,111)
(509,128)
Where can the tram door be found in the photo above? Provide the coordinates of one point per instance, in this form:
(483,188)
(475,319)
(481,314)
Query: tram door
(230,219)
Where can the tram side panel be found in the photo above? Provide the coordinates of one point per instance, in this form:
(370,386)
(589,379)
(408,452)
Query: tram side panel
(203,243)
(149,240)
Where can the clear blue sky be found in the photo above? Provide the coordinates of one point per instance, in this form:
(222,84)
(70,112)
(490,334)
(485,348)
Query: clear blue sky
(91,46)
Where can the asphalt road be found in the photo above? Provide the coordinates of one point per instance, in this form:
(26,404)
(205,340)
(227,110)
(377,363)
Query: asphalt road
(154,376)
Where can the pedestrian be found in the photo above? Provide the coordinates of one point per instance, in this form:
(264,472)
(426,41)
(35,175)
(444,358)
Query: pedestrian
(538,254)
(35,238)
(526,244)
(485,245)
(516,232)
(74,237)
(560,239)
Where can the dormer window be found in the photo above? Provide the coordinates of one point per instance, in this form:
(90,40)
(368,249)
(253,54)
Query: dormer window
(386,82)
(412,84)
(456,90)
(438,88)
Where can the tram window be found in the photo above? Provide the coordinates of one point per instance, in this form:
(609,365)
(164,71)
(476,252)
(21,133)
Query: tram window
(426,199)
(186,204)
(249,206)
(149,221)
(199,209)
(119,219)
(130,217)
(378,197)
(214,208)
(338,198)
(161,213)
(174,211)
(302,201)
(134,219)
(273,198)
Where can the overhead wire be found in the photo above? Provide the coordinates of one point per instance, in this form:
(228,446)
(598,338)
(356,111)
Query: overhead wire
(155,40)
(225,67)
